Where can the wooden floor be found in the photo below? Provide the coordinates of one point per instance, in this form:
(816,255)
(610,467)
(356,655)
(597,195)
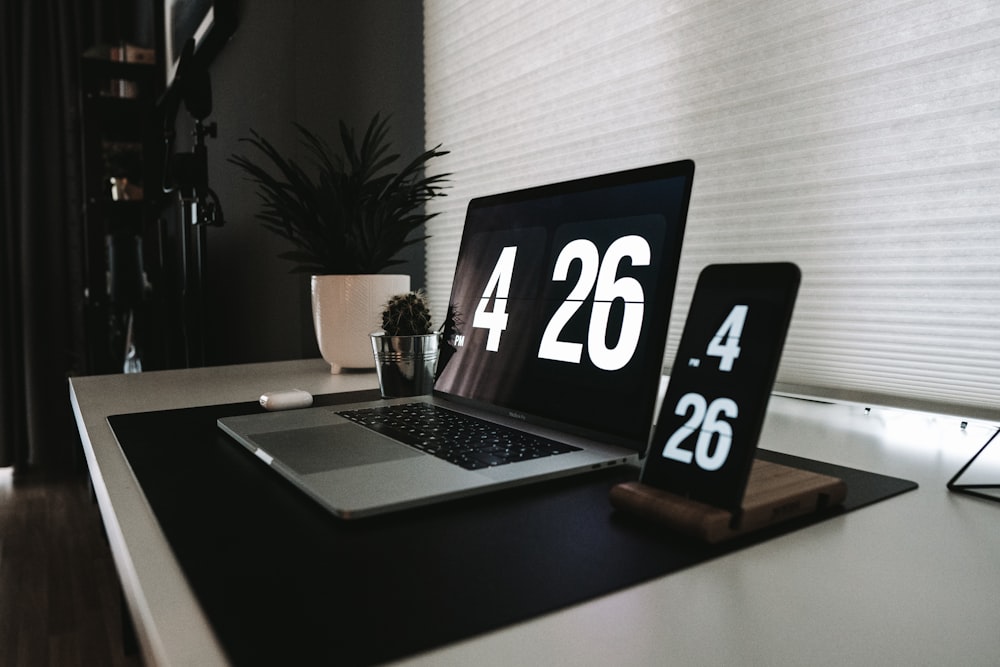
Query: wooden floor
(60,603)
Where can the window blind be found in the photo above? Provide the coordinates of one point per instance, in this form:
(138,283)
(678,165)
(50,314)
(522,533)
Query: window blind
(859,139)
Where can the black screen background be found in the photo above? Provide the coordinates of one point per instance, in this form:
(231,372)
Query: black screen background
(618,404)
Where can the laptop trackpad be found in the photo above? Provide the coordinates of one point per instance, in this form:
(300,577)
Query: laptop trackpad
(321,448)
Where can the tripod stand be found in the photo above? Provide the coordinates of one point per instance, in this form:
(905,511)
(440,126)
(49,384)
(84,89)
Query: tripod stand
(186,174)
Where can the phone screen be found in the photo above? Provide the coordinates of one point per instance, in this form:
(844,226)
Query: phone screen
(714,406)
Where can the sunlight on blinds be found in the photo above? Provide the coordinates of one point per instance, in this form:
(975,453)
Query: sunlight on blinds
(860,140)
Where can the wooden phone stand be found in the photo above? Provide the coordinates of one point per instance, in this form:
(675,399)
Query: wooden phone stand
(774,493)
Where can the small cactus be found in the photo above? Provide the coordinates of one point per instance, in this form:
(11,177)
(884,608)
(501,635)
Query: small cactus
(407,315)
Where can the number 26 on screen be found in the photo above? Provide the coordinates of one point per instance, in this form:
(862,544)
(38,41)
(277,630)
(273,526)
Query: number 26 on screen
(703,417)
(598,276)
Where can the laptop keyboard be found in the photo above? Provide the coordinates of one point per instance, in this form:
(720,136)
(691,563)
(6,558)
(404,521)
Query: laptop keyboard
(460,439)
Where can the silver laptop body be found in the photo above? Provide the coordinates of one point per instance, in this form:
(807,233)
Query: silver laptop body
(556,327)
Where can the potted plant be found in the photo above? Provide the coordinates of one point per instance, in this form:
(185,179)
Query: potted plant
(346,225)
(406,350)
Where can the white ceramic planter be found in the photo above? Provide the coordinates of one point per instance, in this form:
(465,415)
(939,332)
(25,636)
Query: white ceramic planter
(346,310)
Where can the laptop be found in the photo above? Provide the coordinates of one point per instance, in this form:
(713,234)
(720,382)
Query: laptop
(552,350)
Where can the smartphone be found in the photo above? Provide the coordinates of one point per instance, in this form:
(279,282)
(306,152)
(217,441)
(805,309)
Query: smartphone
(713,410)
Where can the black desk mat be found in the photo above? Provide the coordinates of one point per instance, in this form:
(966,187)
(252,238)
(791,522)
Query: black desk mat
(284,582)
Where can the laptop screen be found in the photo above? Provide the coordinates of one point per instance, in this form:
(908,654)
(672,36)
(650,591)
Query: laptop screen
(561,300)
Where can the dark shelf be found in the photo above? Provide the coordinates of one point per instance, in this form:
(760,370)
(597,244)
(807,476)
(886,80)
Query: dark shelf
(122,133)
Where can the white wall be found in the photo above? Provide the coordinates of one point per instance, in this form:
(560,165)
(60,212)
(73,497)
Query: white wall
(856,138)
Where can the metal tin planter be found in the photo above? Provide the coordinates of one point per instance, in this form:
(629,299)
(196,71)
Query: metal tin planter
(405,365)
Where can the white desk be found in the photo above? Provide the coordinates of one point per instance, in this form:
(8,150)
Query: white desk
(913,580)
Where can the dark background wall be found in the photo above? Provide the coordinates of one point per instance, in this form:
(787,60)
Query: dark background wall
(313,62)
(62,306)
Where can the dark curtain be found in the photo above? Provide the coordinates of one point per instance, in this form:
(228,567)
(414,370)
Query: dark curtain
(41,254)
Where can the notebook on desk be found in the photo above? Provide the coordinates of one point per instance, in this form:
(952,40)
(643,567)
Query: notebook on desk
(551,355)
